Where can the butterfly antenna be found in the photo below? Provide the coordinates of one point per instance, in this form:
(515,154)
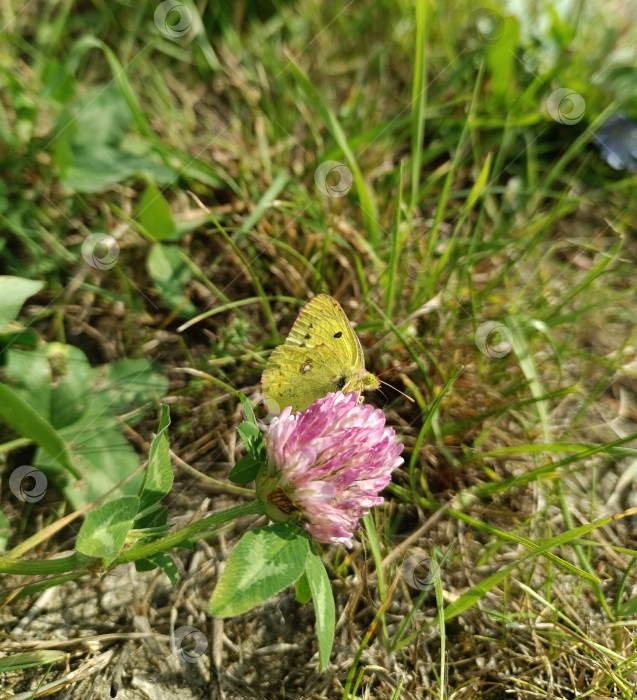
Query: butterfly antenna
(391,369)
(394,388)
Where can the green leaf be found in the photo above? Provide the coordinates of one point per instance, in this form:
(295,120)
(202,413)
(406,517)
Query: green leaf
(72,392)
(501,57)
(170,274)
(5,531)
(474,594)
(252,439)
(80,404)
(245,470)
(14,291)
(104,531)
(90,148)
(248,411)
(98,168)
(134,384)
(158,477)
(103,454)
(26,421)
(27,338)
(480,184)
(264,562)
(155,518)
(160,560)
(324,608)
(302,589)
(101,117)
(155,215)
(28,372)
(44,657)
(629,608)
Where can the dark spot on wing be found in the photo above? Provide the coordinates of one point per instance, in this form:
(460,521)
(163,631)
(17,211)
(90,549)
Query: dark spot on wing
(306,366)
(338,335)
(311,325)
(302,345)
(307,336)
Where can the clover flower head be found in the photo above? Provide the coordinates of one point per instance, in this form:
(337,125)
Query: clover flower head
(328,464)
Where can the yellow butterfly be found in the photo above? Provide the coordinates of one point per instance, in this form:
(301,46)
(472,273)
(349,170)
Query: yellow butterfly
(322,354)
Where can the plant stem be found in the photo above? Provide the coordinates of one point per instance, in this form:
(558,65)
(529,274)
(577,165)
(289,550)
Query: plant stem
(78,561)
(175,538)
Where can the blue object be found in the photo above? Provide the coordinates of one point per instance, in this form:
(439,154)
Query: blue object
(617,140)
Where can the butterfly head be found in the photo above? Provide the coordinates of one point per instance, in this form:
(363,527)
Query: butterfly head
(357,380)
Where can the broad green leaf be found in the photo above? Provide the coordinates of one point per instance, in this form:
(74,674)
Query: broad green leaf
(158,477)
(26,421)
(104,531)
(134,384)
(27,338)
(90,148)
(72,390)
(252,439)
(162,560)
(170,274)
(154,214)
(264,562)
(101,117)
(81,404)
(28,372)
(302,589)
(324,608)
(102,453)
(44,657)
(155,519)
(98,168)
(245,470)
(14,291)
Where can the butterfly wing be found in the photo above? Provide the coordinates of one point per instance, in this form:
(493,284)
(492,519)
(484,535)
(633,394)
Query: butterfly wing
(323,322)
(296,377)
(320,355)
